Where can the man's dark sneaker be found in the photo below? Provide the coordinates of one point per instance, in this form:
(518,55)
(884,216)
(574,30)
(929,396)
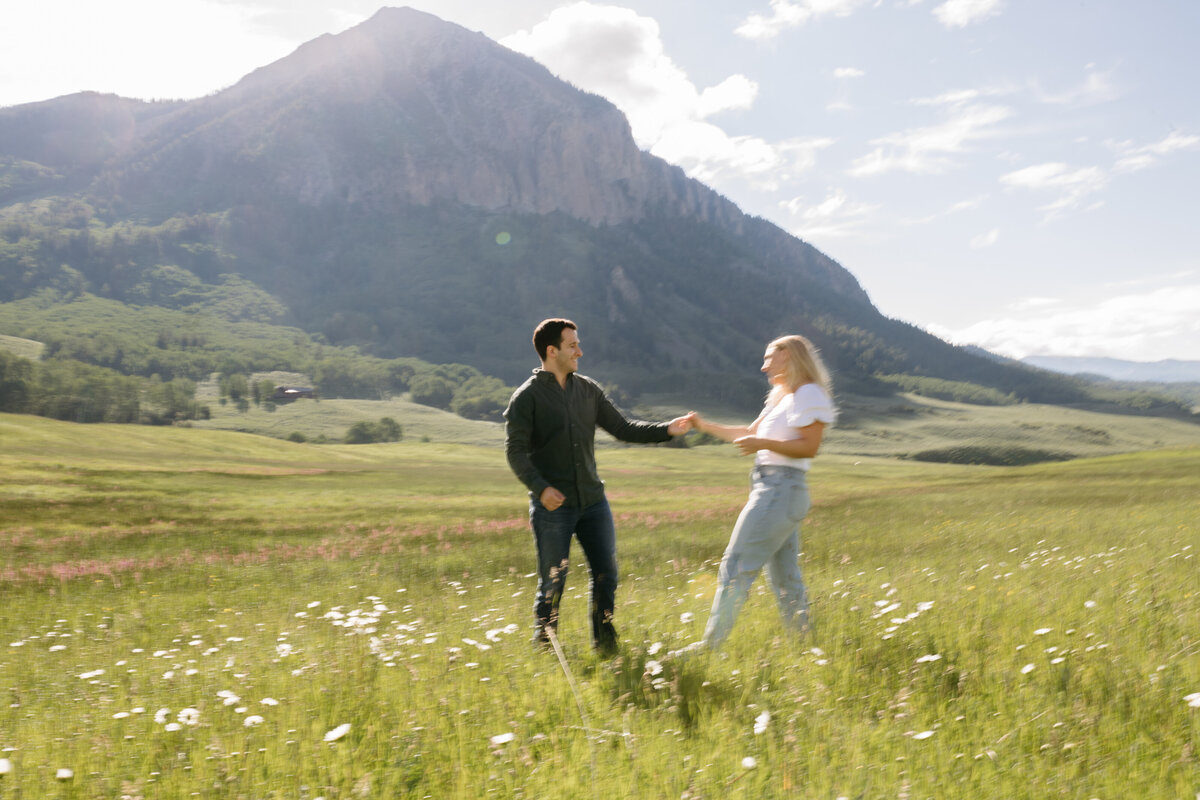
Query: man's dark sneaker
(606,639)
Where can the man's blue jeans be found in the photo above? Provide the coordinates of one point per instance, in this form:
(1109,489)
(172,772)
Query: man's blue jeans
(767,533)
(552,532)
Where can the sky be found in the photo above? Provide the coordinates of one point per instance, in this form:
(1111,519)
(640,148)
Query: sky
(1015,174)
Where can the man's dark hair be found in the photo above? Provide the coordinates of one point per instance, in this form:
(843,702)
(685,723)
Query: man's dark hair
(549,333)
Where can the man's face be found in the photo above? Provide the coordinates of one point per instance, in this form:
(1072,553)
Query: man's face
(566,355)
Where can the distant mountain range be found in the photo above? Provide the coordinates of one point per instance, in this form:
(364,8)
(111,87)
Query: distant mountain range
(1166,371)
(414,189)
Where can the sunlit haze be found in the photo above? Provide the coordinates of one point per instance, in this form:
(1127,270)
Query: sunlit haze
(1015,175)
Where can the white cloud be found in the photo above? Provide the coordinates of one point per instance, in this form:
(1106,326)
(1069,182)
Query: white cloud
(708,154)
(967,205)
(1149,326)
(833,217)
(1071,185)
(791,14)
(949,98)
(961,13)
(927,150)
(619,54)
(1036,303)
(848,72)
(985,240)
(955,208)
(1133,158)
(1097,87)
(737,92)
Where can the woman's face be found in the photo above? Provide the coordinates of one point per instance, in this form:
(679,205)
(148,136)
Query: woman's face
(774,366)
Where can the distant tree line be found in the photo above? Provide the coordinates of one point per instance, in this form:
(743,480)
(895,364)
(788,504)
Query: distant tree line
(105,361)
(77,392)
(192,295)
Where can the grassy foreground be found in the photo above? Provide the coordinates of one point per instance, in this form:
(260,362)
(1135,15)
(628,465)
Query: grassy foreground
(189,613)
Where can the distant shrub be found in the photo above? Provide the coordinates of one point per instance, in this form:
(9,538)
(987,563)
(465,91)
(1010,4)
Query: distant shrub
(481,397)
(990,455)
(297,437)
(432,390)
(385,430)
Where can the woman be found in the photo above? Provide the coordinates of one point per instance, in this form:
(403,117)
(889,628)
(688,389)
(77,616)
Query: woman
(784,438)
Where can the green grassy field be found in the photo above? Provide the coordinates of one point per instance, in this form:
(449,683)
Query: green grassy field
(25,348)
(199,613)
(899,426)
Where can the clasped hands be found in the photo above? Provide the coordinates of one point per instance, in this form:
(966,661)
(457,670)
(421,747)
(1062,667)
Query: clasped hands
(692,421)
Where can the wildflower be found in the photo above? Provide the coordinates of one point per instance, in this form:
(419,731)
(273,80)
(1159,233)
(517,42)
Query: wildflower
(1089,604)
(654,668)
(1042,631)
(58,647)
(161,715)
(923,735)
(269,701)
(1028,668)
(493,635)
(338,732)
(761,722)
(502,738)
(1193,699)
(928,658)
(283,650)
(172,726)
(749,762)
(654,648)
(120,715)
(64,774)
(189,716)
(252,720)
(5,766)
(686,617)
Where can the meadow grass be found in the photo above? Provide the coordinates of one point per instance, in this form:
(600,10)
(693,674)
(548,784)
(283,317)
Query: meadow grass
(202,613)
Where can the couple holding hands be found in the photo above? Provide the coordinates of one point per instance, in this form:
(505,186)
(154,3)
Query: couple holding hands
(550,428)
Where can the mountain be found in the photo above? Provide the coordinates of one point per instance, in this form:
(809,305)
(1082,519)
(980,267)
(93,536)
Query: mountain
(1166,371)
(414,189)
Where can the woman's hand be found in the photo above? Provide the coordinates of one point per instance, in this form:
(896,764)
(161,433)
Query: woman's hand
(748,444)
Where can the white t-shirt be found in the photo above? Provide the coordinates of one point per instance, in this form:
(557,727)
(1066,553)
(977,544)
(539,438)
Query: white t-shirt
(808,404)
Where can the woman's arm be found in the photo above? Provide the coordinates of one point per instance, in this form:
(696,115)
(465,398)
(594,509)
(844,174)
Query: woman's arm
(727,433)
(806,446)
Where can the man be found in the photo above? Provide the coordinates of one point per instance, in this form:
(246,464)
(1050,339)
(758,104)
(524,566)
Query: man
(550,442)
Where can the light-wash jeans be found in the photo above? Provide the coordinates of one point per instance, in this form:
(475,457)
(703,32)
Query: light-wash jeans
(767,533)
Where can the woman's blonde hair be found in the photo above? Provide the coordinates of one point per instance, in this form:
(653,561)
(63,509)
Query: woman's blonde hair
(804,365)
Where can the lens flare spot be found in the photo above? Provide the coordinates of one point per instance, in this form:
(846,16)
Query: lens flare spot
(503,238)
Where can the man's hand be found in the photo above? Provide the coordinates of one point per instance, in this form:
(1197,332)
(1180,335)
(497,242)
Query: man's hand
(680,425)
(552,498)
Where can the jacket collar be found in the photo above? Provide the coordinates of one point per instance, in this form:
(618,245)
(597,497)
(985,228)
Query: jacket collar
(546,376)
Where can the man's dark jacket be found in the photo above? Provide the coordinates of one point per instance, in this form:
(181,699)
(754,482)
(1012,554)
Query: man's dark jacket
(550,435)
